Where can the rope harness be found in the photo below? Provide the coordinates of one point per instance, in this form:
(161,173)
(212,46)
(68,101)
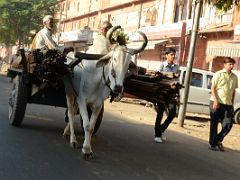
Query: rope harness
(113,73)
(107,81)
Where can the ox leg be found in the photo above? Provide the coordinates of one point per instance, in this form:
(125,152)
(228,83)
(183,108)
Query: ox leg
(70,125)
(88,126)
(70,94)
(86,150)
(66,132)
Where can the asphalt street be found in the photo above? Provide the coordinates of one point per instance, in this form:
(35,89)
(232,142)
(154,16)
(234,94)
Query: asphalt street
(123,150)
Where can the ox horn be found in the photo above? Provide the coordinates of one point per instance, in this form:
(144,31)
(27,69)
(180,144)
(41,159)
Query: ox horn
(110,33)
(144,44)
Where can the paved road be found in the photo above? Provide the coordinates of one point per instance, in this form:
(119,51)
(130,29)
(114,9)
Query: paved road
(123,150)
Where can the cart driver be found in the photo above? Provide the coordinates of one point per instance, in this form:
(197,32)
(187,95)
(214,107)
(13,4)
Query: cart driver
(43,38)
(101,40)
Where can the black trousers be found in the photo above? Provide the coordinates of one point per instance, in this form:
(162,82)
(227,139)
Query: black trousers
(224,115)
(159,126)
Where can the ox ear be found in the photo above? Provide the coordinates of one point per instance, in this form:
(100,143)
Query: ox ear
(133,69)
(103,61)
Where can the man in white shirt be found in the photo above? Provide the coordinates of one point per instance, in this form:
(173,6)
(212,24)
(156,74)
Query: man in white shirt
(43,38)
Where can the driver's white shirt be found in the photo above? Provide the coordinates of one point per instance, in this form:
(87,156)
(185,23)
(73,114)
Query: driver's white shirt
(44,39)
(101,45)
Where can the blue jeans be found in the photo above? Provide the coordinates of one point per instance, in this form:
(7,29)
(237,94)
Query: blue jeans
(224,115)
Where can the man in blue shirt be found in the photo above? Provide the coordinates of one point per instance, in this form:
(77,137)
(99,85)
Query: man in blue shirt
(166,66)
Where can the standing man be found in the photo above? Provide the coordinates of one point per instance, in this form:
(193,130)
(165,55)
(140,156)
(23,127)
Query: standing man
(166,66)
(43,38)
(223,87)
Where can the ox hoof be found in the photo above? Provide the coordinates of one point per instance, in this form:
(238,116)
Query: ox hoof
(74,145)
(87,156)
(66,136)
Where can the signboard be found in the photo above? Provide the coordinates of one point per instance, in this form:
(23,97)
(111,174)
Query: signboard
(164,31)
(85,35)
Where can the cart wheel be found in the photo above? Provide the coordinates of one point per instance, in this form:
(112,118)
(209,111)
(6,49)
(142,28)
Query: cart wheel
(17,101)
(237,116)
(98,122)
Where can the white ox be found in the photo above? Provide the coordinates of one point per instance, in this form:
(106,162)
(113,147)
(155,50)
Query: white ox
(93,82)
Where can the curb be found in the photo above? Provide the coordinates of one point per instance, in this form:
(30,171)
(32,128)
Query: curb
(136,101)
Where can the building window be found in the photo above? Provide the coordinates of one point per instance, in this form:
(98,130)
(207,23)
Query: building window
(68,6)
(176,15)
(109,17)
(63,7)
(94,21)
(214,16)
(184,10)
(79,24)
(72,24)
(78,6)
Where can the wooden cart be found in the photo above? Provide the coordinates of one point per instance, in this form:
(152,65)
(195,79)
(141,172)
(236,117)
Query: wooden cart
(38,80)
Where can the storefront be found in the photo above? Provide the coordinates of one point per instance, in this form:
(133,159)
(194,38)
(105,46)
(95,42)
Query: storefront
(224,48)
(216,50)
(160,37)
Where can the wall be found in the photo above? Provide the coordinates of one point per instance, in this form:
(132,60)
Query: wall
(151,58)
(123,12)
(153,12)
(199,60)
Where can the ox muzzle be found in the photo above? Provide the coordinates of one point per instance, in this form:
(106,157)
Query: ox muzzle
(118,89)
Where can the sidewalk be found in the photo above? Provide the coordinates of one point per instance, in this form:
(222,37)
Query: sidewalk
(193,126)
(3,68)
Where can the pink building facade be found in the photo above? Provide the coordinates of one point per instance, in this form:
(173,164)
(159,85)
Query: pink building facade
(166,23)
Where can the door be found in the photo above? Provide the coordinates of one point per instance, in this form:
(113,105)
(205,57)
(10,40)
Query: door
(199,94)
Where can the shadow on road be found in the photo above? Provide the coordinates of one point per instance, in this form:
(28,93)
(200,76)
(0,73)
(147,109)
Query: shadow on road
(197,118)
